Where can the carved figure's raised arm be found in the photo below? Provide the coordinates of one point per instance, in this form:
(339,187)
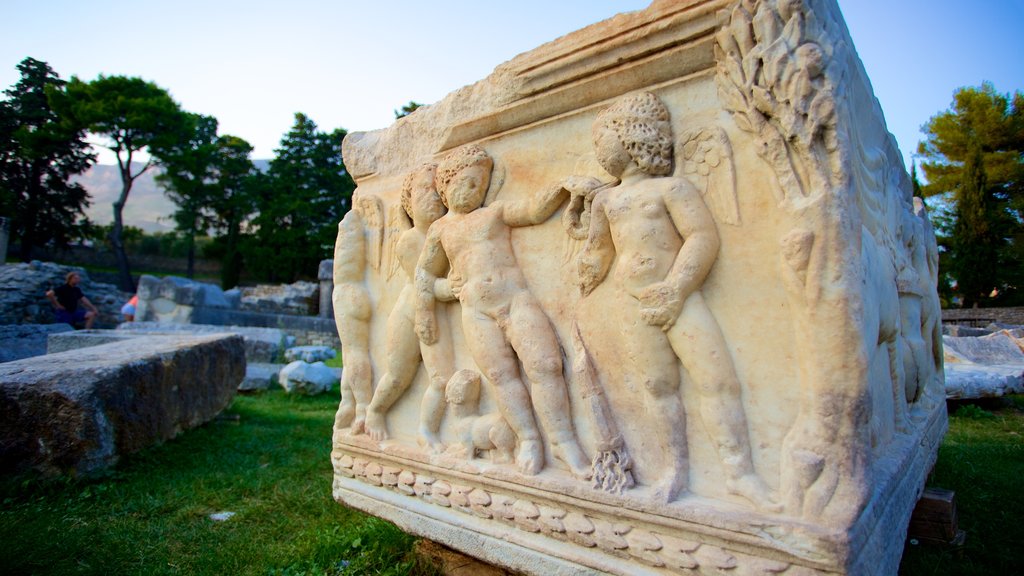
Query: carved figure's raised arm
(537,208)
(598,252)
(662,302)
(431,266)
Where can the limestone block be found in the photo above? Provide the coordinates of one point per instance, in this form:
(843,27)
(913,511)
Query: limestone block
(174,300)
(306,378)
(300,298)
(309,353)
(546,287)
(969,381)
(997,348)
(75,339)
(261,344)
(259,376)
(77,412)
(19,341)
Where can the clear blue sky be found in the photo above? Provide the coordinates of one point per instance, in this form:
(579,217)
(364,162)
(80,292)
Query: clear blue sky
(350,63)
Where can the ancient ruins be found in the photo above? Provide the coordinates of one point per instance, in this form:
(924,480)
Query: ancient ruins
(652,298)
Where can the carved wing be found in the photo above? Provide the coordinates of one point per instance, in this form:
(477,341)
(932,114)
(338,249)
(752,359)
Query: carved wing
(398,222)
(704,157)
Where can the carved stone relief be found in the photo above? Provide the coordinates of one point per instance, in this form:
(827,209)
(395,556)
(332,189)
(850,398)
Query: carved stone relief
(657,327)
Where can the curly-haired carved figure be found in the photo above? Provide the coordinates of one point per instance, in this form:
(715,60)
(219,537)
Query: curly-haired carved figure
(404,350)
(502,320)
(662,240)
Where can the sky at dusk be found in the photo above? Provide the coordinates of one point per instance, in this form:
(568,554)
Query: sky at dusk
(350,64)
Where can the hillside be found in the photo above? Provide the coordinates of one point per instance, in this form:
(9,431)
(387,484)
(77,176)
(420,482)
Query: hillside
(147,208)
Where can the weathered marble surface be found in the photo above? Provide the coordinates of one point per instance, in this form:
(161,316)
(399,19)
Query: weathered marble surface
(550,288)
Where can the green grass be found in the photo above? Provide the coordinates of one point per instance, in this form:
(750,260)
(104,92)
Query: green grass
(268,461)
(982,459)
(271,467)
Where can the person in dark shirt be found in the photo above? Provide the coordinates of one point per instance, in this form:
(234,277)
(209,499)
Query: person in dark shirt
(69,304)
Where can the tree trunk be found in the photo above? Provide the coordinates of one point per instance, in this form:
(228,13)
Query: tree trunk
(28,221)
(190,269)
(231,266)
(124,272)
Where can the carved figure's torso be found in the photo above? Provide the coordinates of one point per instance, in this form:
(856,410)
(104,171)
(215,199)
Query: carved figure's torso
(646,239)
(479,248)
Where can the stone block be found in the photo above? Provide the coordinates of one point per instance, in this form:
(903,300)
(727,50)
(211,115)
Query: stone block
(75,339)
(175,300)
(306,378)
(547,287)
(259,376)
(261,344)
(77,412)
(309,353)
(19,341)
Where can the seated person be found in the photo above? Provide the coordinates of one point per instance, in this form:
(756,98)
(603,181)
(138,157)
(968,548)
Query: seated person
(70,305)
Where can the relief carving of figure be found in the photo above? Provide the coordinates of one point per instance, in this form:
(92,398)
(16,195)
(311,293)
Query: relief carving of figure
(476,432)
(404,350)
(502,319)
(660,237)
(352,311)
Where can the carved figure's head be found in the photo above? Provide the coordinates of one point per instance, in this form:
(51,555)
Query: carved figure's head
(419,194)
(639,125)
(463,178)
(463,388)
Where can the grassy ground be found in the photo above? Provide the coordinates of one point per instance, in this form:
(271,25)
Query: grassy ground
(982,459)
(267,460)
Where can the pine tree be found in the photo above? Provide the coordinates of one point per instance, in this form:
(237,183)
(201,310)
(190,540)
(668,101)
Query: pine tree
(308,191)
(39,152)
(974,160)
(133,116)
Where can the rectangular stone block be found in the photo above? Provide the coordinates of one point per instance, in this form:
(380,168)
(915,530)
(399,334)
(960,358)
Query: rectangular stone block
(653,298)
(77,412)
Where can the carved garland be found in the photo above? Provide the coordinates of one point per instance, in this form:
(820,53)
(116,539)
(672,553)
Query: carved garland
(618,539)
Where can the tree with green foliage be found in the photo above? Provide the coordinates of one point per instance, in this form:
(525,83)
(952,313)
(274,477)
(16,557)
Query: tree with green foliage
(307,192)
(188,177)
(132,116)
(407,109)
(974,159)
(39,152)
(233,201)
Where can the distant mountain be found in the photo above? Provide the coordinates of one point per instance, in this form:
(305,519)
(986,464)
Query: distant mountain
(147,208)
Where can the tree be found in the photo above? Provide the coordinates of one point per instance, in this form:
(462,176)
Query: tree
(407,109)
(974,160)
(188,177)
(233,200)
(306,194)
(132,116)
(38,154)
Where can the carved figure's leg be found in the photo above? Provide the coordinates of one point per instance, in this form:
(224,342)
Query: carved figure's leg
(656,364)
(533,339)
(497,362)
(403,359)
(438,360)
(698,341)
(356,378)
